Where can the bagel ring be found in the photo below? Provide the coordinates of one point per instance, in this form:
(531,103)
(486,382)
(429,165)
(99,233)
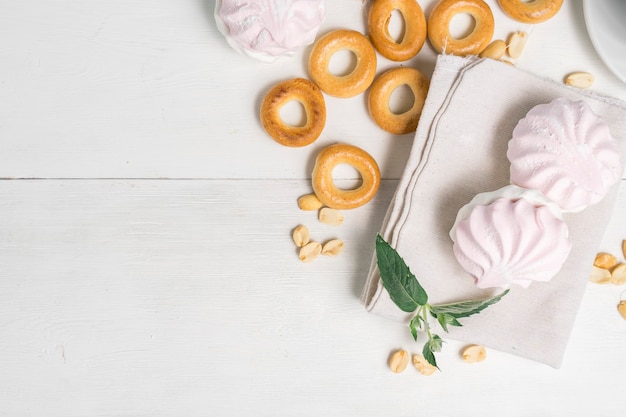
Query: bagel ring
(361,76)
(535,11)
(414,34)
(311,98)
(322,179)
(380,93)
(439,27)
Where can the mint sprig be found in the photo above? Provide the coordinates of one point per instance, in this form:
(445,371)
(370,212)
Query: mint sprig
(408,294)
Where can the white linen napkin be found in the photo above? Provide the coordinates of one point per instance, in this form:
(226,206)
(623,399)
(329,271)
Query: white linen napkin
(459,151)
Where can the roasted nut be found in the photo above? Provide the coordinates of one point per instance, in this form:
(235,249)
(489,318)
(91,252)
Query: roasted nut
(310,251)
(618,274)
(398,361)
(474,353)
(605,260)
(421,364)
(600,275)
(579,79)
(330,216)
(301,235)
(621,307)
(624,248)
(332,247)
(516,44)
(309,202)
(495,50)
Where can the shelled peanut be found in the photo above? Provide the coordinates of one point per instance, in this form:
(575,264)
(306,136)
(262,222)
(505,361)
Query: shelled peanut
(607,269)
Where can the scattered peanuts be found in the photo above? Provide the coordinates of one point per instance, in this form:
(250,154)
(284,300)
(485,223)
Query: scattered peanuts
(310,251)
(605,260)
(421,364)
(309,202)
(330,216)
(495,50)
(398,361)
(301,235)
(618,274)
(516,44)
(579,79)
(474,353)
(600,275)
(332,247)
(621,307)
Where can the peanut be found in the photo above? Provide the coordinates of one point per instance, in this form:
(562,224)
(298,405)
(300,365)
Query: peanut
(618,274)
(421,364)
(398,361)
(624,248)
(605,260)
(474,353)
(621,307)
(301,235)
(309,202)
(516,44)
(332,247)
(600,275)
(579,79)
(330,216)
(495,50)
(310,251)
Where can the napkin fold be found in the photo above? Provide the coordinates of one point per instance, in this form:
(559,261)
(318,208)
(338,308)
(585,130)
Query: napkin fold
(459,151)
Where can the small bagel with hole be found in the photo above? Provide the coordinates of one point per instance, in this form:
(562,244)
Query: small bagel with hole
(322,179)
(312,100)
(534,11)
(361,76)
(472,44)
(414,35)
(380,94)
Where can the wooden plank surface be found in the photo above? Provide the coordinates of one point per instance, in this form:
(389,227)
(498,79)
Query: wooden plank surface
(146,264)
(150,89)
(168,298)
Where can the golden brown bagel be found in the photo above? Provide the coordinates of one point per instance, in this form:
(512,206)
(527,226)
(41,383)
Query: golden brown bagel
(322,179)
(439,27)
(534,11)
(359,79)
(311,98)
(380,93)
(414,34)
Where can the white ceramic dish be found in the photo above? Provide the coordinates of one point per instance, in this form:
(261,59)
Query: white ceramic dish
(604,20)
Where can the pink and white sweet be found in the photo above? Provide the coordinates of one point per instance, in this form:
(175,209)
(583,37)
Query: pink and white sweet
(510,236)
(269,29)
(566,151)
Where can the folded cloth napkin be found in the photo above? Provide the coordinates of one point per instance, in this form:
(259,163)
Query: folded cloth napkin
(459,151)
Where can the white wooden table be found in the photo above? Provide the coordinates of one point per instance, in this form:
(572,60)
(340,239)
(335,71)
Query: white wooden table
(146,264)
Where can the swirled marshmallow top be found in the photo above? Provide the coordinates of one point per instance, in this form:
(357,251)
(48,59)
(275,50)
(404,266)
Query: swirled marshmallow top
(510,236)
(268,29)
(566,151)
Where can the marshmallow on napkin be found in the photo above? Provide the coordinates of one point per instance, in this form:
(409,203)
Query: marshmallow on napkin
(460,151)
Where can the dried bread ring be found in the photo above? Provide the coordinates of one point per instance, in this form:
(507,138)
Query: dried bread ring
(380,93)
(361,76)
(322,178)
(534,11)
(312,100)
(439,27)
(414,36)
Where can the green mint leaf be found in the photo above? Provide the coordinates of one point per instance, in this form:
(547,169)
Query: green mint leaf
(428,351)
(446,320)
(464,308)
(415,324)
(400,283)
